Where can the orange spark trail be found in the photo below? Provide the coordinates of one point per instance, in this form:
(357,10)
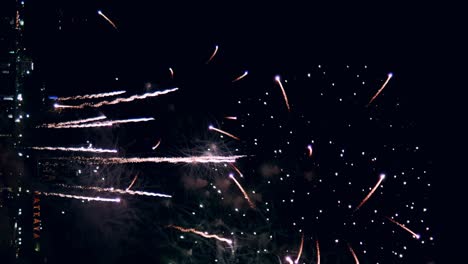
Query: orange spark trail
(192,230)
(74,122)
(105,123)
(172,73)
(354,254)
(309,148)
(389,76)
(317,246)
(300,249)
(193,159)
(241,77)
(112,190)
(382,177)
(133,182)
(90,96)
(223,132)
(404,227)
(278,80)
(115,200)
(212,55)
(80,149)
(231,117)
(251,204)
(237,169)
(118,100)
(106,18)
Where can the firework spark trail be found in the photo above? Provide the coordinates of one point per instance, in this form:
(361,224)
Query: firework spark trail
(382,177)
(74,122)
(317,247)
(172,73)
(157,145)
(112,190)
(80,149)
(241,77)
(133,182)
(115,200)
(389,76)
(278,80)
(193,159)
(212,55)
(354,254)
(289,260)
(192,230)
(300,249)
(106,123)
(223,132)
(309,148)
(251,204)
(237,169)
(231,117)
(106,18)
(417,236)
(118,100)
(90,96)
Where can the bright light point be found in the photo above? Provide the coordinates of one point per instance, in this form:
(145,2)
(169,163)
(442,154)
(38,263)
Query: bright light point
(390,74)
(55,105)
(417,236)
(99,12)
(210,127)
(277,78)
(231,175)
(382,176)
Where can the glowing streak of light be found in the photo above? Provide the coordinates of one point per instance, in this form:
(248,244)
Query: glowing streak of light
(172,73)
(231,117)
(194,231)
(115,200)
(106,123)
(157,145)
(278,80)
(90,96)
(112,190)
(133,182)
(251,204)
(309,148)
(106,18)
(237,169)
(300,250)
(118,100)
(193,159)
(417,236)
(241,77)
(80,149)
(389,76)
(354,254)
(223,132)
(317,247)
(289,260)
(382,177)
(212,55)
(74,122)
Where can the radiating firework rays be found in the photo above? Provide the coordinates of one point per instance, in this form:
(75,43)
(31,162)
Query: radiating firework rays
(157,145)
(278,80)
(116,101)
(90,96)
(356,260)
(212,55)
(240,77)
(317,248)
(389,76)
(108,123)
(107,19)
(251,204)
(200,233)
(300,249)
(192,159)
(309,150)
(80,149)
(79,197)
(417,236)
(112,190)
(223,132)
(381,178)
(74,122)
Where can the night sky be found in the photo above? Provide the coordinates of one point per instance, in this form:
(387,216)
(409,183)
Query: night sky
(330,61)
